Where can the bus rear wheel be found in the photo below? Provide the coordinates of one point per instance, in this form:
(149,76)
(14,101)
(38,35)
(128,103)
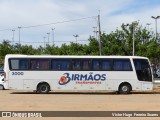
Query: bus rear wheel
(124,89)
(43,88)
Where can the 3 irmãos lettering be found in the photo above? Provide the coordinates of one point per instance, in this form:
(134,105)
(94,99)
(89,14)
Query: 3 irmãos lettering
(67,77)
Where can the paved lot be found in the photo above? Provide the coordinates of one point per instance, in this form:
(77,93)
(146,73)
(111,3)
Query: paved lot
(29,101)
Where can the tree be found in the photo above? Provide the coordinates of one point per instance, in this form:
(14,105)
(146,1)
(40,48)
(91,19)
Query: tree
(118,42)
(93,46)
(5,48)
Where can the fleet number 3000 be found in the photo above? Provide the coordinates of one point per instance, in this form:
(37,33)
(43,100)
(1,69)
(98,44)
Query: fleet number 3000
(17,73)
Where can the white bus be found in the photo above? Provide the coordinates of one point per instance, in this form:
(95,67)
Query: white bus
(43,73)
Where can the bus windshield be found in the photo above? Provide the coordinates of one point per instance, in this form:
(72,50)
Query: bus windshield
(143,70)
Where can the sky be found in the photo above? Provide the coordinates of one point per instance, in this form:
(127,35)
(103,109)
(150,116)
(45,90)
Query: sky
(53,14)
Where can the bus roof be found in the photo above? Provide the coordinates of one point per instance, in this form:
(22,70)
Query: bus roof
(67,56)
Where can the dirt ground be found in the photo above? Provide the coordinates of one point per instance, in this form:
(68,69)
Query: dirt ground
(100,101)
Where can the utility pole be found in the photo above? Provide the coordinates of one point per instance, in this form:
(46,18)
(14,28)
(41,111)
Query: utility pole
(133,39)
(13,36)
(99,37)
(148,24)
(53,34)
(155,25)
(44,42)
(48,37)
(134,26)
(76,36)
(19,35)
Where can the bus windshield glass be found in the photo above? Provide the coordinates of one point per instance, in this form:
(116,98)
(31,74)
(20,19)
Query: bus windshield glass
(143,70)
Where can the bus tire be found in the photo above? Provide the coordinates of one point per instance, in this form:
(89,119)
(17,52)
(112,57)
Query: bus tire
(43,88)
(124,89)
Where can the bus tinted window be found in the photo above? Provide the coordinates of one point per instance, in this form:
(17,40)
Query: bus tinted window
(39,64)
(107,65)
(85,64)
(96,65)
(143,70)
(58,64)
(122,65)
(127,65)
(19,64)
(76,64)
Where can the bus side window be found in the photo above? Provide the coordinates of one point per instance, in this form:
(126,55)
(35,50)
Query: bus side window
(127,65)
(107,65)
(60,64)
(76,64)
(43,64)
(34,65)
(19,64)
(23,64)
(117,65)
(39,64)
(14,64)
(53,64)
(122,65)
(65,64)
(56,64)
(85,64)
(96,65)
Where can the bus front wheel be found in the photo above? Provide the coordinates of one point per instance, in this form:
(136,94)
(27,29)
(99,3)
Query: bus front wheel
(124,89)
(43,88)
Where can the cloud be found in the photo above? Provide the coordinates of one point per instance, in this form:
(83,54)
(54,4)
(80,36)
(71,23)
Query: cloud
(133,11)
(16,13)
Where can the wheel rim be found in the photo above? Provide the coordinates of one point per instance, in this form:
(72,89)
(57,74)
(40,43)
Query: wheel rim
(43,88)
(125,88)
